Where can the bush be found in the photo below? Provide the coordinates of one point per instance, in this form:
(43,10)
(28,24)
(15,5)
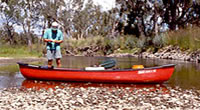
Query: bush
(141,43)
(159,40)
(130,42)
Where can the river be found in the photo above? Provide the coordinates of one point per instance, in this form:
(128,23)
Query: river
(185,76)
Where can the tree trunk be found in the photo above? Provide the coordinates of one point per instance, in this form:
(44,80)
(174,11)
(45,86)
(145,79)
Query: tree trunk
(173,7)
(10,34)
(155,19)
(29,39)
(28,36)
(140,27)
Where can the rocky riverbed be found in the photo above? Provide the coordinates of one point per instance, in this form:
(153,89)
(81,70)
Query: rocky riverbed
(99,98)
(169,52)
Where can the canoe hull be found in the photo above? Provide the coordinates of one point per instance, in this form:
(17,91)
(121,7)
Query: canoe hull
(146,75)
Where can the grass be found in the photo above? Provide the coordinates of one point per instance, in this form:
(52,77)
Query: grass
(185,38)
(20,51)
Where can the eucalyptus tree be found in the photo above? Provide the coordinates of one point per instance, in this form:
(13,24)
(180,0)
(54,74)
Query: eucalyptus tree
(51,10)
(8,16)
(146,17)
(28,17)
(179,13)
(107,22)
(81,19)
(84,19)
(92,21)
(196,13)
(67,14)
(140,17)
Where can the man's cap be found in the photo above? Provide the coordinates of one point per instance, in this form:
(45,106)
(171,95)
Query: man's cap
(55,24)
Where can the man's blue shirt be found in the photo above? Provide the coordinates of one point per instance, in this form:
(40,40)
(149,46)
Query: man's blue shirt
(49,34)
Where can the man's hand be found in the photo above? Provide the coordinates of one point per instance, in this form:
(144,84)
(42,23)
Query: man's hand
(55,41)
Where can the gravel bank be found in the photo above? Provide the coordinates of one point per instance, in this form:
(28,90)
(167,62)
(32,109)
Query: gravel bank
(99,98)
(169,52)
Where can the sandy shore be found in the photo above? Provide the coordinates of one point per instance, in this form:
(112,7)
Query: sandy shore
(5,58)
(10,58)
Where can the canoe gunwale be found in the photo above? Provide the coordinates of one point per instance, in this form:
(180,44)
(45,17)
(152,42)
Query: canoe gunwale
(113,70)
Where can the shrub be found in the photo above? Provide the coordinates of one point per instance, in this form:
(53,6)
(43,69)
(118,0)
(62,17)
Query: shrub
(159,40)
(130,42)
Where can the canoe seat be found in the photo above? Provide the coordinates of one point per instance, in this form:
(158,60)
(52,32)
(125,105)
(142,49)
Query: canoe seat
(94,68)
(46,67)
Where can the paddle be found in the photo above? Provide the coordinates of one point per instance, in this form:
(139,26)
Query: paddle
(108,63)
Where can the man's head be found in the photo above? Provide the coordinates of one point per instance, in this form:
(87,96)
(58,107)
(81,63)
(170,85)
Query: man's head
(54,26)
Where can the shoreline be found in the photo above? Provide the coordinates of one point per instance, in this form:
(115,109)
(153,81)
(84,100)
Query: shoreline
(10,60)
(167,53)
(6,58)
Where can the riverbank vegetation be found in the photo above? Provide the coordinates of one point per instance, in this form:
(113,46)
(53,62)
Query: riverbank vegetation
(186,39)
(16,51)
(132,26)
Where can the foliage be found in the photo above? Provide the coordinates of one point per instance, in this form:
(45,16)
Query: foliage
(9,17)
(147,17)
(130,42)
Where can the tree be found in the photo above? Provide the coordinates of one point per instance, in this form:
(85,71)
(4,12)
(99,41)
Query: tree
(145,17)
(141,17)
(67,14)
(84,19)
(8,16)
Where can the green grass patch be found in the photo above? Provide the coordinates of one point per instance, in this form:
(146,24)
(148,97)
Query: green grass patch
(20,51)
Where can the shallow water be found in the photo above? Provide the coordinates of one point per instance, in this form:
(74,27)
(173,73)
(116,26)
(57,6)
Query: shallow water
(186,74)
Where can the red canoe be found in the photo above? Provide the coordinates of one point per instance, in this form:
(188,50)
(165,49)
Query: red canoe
(157,74)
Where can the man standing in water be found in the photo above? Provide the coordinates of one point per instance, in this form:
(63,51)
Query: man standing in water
(54,38)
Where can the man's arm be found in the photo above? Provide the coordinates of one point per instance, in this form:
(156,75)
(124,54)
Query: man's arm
(48,40)
(58,41)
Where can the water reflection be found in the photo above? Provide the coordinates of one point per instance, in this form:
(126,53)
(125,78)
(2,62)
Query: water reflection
(13,80)
(38,85)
